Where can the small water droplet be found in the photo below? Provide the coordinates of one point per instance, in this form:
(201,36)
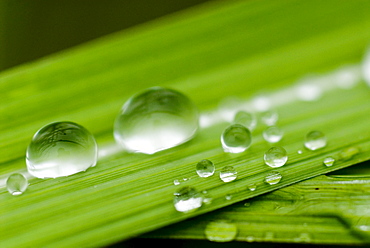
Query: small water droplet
(187,199)
(155,120)
(299,152)
(275,157)
(247,204)
(329,161)
(16,184)
(348,153)
(228,197)
(228,174)
(236,138)
(315,140)
(176,182)
(61,149)
(269,117)
(250,238)
(252,187)
(303,237)
(221,231)
(205,168)
(273,134)
(246,119)
(273,177)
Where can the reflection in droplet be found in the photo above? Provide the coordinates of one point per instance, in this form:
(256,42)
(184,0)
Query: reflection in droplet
(16,184)
(273,177)
(275,157)
(329,161)
(187,199)
(205,168)
(228,174)
(236,138)
(61,149)
(315,140)
(155,120)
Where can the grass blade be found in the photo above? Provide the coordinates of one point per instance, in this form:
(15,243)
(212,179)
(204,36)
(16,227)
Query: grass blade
(128,194)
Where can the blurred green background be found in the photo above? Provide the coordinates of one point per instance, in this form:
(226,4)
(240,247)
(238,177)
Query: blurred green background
(30,29)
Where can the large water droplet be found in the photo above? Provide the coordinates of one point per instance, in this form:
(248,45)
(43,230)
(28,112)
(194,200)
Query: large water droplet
(187,199)
(272,134)
(155,120)
(236,138)
(315,140)
(205,168)
(16,184)
(273,177)
(221,231)
(228,174)
(269,117)
(61,149)
(246,119)
(275,157)
(329,161)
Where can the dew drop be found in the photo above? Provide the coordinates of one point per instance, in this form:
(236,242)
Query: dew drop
(252,187)
(273,177)
(207,199)
(315,140)
(228,174)
(275,157)
(246,119)
(348,153)
(16,184)
(61,149)
(269,117)
(187,199)
(228,197)
(155,120)
(221,231)
(299,152)
(273,134)
(236,138)
(176,182)
(329,161)
(205,168)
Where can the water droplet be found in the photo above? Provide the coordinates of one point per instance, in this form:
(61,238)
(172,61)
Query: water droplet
(366,67)
(250,239)
(273,134)
(315,140)
(273,177)
(236,138)
(187,199)
(247,204)
(221,231)
(303,237)
(269,117)
(228,174)
(176,182)
(61,149)
(299,152)
(16,184)
(155,120)
(252,187)
(348,153)
(207,199)
(228,197)
(329,161)
(275,157)
(205,168)
(246,119)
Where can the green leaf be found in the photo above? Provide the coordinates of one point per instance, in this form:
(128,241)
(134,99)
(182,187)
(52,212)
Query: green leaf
(209,53)
(330,209)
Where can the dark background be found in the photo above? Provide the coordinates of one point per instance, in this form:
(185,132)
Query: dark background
(30,29)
